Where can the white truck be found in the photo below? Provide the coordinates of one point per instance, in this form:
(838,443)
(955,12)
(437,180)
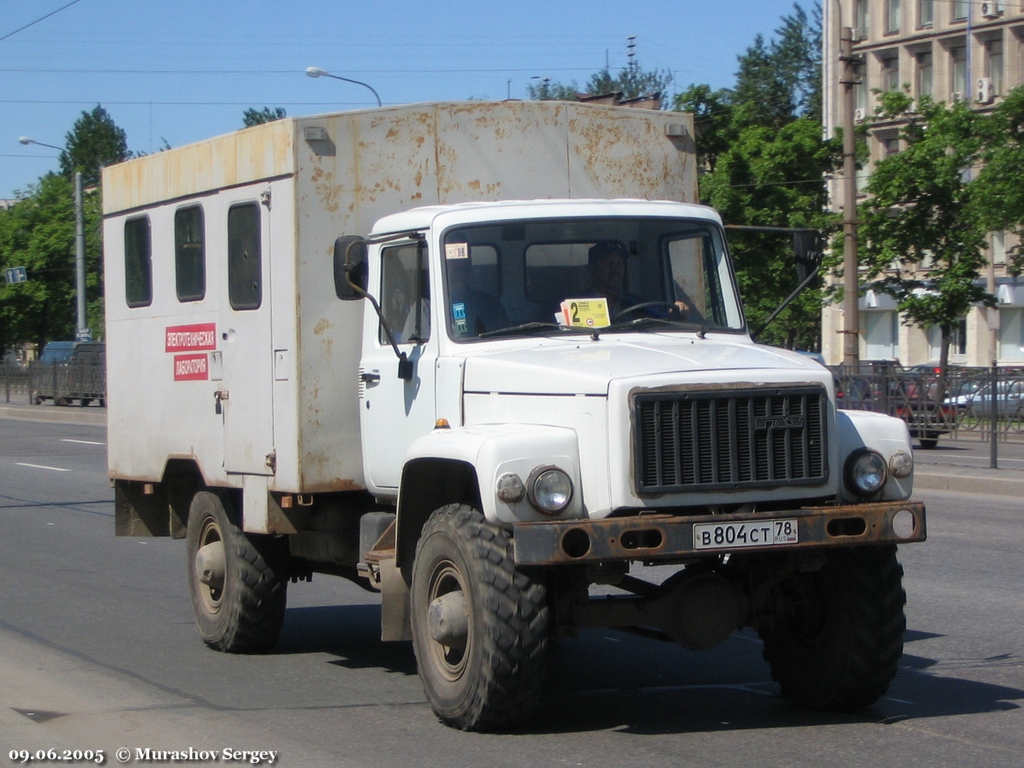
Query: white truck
(485,358)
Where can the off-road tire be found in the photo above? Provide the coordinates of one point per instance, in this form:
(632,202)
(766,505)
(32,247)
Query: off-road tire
(495,681)
(837,633)
(246,614)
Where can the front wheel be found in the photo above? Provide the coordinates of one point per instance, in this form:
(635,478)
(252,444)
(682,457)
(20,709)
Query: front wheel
(479,625)
(237,582)
(837,634)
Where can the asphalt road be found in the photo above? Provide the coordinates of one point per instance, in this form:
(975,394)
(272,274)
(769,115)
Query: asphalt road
(98,650)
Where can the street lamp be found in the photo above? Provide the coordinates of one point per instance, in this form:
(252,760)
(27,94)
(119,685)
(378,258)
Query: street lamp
(317,72)
(81,331)
(27,140)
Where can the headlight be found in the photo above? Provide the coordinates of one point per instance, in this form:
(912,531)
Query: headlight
(901,464)
(549,490)
(866,472)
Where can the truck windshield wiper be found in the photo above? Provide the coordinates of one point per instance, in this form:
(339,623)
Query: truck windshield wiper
(642,323)
(532,327)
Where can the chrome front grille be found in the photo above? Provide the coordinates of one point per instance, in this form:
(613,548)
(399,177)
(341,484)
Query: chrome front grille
(685,441)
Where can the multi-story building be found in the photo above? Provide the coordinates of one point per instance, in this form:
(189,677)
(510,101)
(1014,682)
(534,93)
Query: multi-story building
(950,50)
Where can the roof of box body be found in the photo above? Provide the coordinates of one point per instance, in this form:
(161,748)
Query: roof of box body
(281,148)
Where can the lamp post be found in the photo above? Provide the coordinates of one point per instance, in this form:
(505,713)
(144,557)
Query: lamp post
(317,72)
(81,330)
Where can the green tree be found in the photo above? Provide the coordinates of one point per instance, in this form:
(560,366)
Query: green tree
(773,178)
(632,81)
(546,90)
(38,233)
(922,233)
(253,116)
(712,119)
(999,194)
(95,141)
(764,161)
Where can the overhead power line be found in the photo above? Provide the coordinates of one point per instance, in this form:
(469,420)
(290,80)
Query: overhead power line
(41,18)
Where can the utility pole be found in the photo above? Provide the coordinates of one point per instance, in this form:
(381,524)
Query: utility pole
(82,331)
(851,308)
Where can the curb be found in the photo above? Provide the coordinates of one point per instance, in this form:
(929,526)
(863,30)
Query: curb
(55,414)
(989,482)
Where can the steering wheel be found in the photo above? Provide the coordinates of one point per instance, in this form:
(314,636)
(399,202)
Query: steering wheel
(641,306)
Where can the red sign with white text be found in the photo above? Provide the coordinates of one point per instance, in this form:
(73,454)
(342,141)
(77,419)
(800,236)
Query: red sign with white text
(191,367)
(189,338)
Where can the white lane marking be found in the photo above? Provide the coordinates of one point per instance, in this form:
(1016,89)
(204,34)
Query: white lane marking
(80,442)
(41,466)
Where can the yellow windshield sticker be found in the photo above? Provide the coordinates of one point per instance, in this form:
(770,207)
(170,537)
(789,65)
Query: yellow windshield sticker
(585,313)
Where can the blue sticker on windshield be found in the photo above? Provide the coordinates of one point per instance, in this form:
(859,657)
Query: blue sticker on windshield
(458,311)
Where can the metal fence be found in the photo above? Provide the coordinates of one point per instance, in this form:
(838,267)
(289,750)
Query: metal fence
(78,383)
(960,406)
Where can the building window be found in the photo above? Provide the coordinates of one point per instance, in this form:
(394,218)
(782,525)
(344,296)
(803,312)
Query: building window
(860,90)
(138,262)
(925,73)
(999,247)
(892,16)
(925,13)
(994,65)
(1011,334)
(881,335)
(958,72)
(245,257)
(890,144)
(960,10)
(890,72)
(189,254)
(860,20)
(957,340)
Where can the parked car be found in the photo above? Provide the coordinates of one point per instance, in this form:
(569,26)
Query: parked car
(974,398)
(887,387)
(70,370)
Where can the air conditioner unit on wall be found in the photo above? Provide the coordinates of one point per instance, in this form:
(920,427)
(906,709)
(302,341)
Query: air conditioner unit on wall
(991,10)
(986,91)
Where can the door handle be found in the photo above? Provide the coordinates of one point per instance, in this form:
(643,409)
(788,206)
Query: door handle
(219,396)
(369,377)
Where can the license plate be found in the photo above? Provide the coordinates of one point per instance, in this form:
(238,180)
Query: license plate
(769,533)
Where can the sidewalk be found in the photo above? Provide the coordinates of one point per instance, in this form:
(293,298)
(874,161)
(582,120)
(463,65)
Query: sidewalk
(934,472)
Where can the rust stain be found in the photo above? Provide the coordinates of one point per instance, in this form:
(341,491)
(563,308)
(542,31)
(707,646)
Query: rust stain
(322,327)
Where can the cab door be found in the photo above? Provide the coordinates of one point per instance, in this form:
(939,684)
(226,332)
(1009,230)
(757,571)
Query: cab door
(395,411)
(245,394)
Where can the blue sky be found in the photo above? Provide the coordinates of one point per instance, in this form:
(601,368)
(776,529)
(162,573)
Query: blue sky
(182,71)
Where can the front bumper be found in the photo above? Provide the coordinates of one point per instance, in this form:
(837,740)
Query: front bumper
(660,537)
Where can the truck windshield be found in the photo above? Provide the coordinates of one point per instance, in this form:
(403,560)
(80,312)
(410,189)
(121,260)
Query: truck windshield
(560,275)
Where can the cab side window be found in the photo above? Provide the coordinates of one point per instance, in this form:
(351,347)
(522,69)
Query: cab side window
(405,297)
(138,262)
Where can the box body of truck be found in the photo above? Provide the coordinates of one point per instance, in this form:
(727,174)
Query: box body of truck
(222,316)
(482,357)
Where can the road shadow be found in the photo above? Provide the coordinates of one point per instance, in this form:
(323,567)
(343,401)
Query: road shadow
(349,632)
(609,680)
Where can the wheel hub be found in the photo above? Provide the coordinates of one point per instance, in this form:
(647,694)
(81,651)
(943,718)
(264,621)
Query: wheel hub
(448,620)
(210,565)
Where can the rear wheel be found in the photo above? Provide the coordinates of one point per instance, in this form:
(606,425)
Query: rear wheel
(837,634)
(480,626)
(929,442)
(238,582)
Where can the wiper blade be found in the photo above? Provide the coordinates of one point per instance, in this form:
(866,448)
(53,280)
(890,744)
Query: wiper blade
(532,327)
(641,323)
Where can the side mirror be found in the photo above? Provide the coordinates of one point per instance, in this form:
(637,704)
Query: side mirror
(350,264)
